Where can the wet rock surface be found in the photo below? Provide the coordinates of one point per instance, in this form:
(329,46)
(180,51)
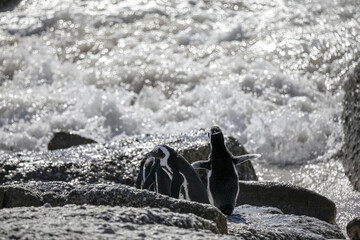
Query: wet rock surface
(116,162)
(105,222)
(288,198)
(101,222)
(60,193)
(265,223)
(97,178)
(351,125)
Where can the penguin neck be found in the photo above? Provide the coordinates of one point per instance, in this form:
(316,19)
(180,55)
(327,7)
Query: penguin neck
(219,154)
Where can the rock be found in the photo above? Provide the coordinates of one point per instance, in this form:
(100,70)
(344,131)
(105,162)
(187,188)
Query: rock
(8,5)
(102,222)
(351,125)
(353,229)
(63,140)
(116,162)
(14,196)
(266,223)
(288,198)
(61,193)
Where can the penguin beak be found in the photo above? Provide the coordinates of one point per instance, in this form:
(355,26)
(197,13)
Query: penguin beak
(149,154)
(156,153)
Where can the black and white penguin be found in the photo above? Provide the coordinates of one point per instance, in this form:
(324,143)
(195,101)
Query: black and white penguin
(152,177)
(222,175)
(159,177)
(183,175)
(145,167)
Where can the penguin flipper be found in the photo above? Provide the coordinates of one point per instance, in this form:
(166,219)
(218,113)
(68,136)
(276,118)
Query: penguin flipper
(244,158)
(176,183)
(201,165)
(140,177)
(150,179)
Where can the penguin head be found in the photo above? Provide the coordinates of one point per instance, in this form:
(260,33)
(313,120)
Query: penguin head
(216,136)
(161,152)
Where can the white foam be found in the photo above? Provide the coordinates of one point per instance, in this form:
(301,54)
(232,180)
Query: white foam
(268,74)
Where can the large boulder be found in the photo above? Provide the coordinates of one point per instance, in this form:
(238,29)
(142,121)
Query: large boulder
(105,222)
(269,223)
(351,125)
(18,197)
(63,140)
(60,194)
(8,5)
(102,222)
(290,199)
(115,162)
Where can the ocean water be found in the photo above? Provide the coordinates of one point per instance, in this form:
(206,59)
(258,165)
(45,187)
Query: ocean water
(269,73)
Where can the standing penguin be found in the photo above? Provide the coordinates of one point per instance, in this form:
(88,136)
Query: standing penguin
(145,167)
(222,175)
(151,176)
(183,175)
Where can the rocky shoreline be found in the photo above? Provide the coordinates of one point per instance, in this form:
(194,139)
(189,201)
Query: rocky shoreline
(91,186)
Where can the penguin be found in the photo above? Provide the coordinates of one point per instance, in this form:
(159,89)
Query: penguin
(145,167)
(151,176)
(159,177)
(222,175)
(183,175)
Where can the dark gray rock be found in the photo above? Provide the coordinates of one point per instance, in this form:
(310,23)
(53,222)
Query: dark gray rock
(60,194)
(106,222)
(14,196)
(102,222)
(266,223)
(351,125)
(116,162)
(290,199)
(8,5)
(353,229)
(63,140)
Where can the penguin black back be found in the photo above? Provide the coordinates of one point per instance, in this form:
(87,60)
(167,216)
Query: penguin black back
(222,175)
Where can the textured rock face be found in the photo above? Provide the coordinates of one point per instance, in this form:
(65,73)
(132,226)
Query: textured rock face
(59,194)
(351,125)
(100,175)
(270,223)
(105,222)
(289,198)
(116,162)
(101,222)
